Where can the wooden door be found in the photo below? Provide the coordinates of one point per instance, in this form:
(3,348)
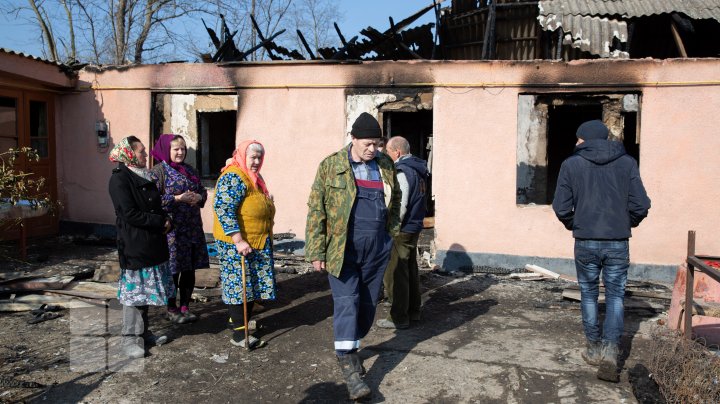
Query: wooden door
(30,115)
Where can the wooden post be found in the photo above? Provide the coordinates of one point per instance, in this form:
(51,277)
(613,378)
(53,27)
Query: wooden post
(689,285)
(558,50)
(678,39)
(489,37)
(492,45)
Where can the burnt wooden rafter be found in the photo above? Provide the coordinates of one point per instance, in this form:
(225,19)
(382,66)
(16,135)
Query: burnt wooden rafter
(268,45)
(395,43)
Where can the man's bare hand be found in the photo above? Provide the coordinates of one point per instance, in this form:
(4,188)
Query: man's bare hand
(318,265)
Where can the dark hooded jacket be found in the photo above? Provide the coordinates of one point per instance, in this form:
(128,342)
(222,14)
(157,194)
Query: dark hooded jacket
(416,173)
(599,193)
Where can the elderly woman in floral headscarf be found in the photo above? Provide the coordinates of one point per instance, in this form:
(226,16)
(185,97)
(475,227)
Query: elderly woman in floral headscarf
(244,214)
(182,197)
(145,279)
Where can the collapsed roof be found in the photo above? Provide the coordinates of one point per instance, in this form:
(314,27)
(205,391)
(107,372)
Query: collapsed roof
(397,42)
(519,30)
(593,25)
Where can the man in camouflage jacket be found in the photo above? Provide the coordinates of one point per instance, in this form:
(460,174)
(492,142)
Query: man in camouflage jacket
(331,199)
(354,211)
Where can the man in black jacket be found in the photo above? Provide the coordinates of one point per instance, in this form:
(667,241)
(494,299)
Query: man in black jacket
(600,196)
(402,278)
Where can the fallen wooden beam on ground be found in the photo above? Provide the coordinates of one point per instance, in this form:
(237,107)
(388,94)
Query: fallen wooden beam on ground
(574,294)
(529,276)
(31,302)
(630,303)
(87,290)
(31,284)
(547,272)
(634,292)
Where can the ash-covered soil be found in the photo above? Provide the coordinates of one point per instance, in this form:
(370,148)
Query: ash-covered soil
(482,338)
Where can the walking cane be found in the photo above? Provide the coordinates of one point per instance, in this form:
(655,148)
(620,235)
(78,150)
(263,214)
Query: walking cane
(245,315)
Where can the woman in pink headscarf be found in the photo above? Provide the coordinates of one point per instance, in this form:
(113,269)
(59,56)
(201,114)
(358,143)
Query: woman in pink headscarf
(244,214)
(182,197)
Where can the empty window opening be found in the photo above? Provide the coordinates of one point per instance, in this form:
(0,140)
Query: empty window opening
(207,122)
(216,141)
(547,125)
(416,127)
(630,138)
(563,121)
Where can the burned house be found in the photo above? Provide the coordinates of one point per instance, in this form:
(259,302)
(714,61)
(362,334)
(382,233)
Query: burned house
(494,131)
(580,29)
(517,30)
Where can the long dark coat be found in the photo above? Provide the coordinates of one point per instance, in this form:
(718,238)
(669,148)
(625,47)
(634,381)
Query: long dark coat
(140,220)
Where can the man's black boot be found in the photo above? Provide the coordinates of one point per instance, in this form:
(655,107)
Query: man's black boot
(356,363)
(608,363)
(355,385)
(593,353)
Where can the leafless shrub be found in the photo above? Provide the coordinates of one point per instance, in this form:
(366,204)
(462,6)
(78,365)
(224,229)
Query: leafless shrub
(686,371)
(21,191)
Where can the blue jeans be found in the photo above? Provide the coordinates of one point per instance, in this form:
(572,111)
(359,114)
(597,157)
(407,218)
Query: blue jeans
(612,258)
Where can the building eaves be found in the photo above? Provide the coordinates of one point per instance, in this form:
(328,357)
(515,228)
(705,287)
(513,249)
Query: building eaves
(68,70)
(696,9)
(12,52)
(592,25)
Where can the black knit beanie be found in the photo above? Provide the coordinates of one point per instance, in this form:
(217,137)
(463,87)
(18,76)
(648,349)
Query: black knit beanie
(592,130)
(366,127)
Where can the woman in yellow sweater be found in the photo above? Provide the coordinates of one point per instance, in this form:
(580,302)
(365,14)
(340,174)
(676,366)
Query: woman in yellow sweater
(244,214)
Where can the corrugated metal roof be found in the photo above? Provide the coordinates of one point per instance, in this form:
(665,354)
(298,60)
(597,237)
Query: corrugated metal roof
(12,52)
(587,26)
(590,34)
(696,9)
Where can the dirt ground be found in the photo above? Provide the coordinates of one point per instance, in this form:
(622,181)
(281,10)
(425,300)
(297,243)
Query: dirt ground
(483,338)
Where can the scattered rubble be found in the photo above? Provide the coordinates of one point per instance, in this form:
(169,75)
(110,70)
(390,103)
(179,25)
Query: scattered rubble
(549,273)
(463,315)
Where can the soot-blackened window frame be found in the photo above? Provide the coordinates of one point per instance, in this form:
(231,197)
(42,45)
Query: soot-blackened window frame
(216,141)
(546,135)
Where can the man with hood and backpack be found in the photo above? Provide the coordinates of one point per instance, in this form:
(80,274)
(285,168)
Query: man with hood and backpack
(402,279)
(600,197)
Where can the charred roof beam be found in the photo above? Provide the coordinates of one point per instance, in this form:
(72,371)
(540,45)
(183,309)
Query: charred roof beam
(398,39)
(268,45)
(305,44)
(263,44)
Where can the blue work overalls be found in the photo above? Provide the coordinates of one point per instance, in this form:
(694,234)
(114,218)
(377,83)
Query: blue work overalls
(367,251)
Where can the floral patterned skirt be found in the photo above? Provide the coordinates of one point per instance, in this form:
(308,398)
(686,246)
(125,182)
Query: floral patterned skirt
(147,286)
(259,275)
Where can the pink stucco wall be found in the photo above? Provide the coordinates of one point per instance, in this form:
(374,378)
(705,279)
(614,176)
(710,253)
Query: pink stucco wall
(298,112)
(86,168)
